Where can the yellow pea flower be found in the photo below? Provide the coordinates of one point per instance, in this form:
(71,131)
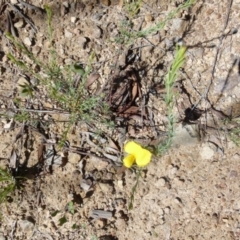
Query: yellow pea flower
(136,154)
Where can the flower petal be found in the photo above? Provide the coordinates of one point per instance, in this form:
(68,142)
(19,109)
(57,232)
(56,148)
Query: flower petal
(132,148)
(143,157)
(129,160)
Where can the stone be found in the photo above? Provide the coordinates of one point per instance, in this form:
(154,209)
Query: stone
(26,225)
(74,157)
(94,32)
(105,2)
(27,41)
(160,182)
(73,19)
(2,237)
(206,152)
(66,4)
(82,42)
(148,18)
(105,187)
(68,34)
(19,24)
(176,24)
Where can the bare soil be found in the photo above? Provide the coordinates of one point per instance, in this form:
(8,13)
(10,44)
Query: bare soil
(192,191)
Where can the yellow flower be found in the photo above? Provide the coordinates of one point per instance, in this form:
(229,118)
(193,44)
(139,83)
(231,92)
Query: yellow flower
(136,154)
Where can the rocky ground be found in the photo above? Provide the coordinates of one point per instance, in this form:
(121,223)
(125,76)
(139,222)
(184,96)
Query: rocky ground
(190,192)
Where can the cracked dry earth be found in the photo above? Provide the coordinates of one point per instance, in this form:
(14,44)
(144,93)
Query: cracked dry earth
(192,191)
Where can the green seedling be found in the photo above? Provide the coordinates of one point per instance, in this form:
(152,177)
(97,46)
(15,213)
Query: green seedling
(128,36)
(142,156)
(8,184)
(71,208)
(60,83)
(132,7)
(26,90)
(169,97)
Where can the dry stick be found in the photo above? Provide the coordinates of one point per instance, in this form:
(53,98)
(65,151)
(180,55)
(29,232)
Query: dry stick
(216,56)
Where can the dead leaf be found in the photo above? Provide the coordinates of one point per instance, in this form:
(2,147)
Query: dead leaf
(40,152)
(132,110)
(112,144)
(134,91)
(91,79)
(13,159)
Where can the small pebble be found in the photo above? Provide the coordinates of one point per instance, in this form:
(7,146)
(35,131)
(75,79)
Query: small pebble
(66,4)
(105,2)
(160,182)
(120,184)
(161,221)
(167,210)
(74,157)
(148,18)
(176,24)
(173,171)
(160,211)
(26,225)
(73,19)
(206,153)
(68,34)
(105,187)
(19,24)
(27,41)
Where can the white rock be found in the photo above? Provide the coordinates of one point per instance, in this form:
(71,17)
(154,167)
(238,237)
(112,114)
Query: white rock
(176,24)
(26,225)
(206,152)
(19,24)
(27,41)
(9,125)
(74,157)
(160,212)
(73,19)
(120,184)
(94,32)
(66,4)
(68,34)
(167,210)
(86,184)
(160,182)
